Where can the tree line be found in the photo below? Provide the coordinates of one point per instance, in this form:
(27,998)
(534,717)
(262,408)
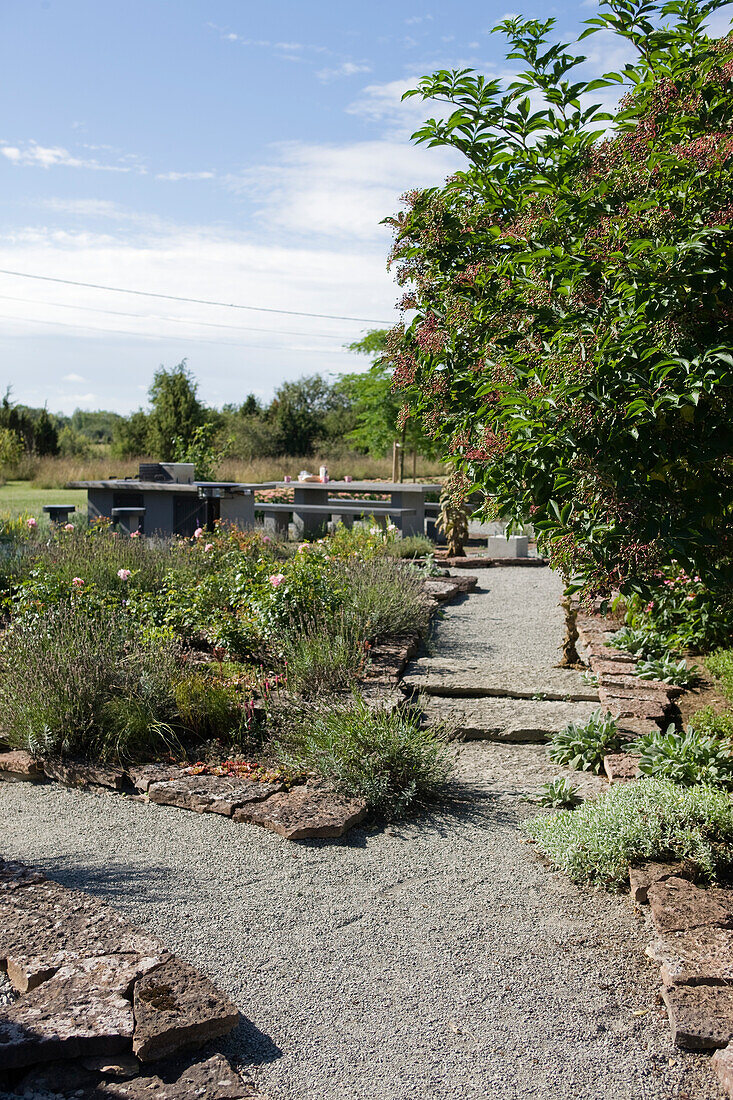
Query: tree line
(307,415)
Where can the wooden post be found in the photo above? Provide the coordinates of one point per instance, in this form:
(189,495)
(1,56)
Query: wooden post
(395,461)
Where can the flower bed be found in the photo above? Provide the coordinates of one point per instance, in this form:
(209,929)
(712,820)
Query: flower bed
(207,649)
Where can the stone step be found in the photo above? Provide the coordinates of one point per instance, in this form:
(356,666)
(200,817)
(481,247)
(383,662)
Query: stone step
(502,719)
(450,677)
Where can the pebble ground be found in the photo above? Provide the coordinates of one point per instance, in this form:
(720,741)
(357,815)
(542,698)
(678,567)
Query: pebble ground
(435,959)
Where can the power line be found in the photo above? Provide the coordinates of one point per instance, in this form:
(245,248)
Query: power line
(153,336)
(194,301)
(165,320)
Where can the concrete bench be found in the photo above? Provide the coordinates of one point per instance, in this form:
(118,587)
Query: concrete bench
(59,513)
(277,516)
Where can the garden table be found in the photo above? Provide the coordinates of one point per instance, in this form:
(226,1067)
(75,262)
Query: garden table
(318,503)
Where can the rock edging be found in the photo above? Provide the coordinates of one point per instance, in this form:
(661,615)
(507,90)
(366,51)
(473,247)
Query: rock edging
(694,948)
(99,999)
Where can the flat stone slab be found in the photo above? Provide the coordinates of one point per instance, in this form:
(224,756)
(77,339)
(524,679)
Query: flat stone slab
(451,677)
(722,1063)
(620,767)
(82,1010)
(305,812)
(613,664)
(19,765)
(702,955)
(678,905)
(700,1016)
(388,659)
(440,589)
(643,875)
(45,926)
(74,774)
(177,1007)
(648,705)
(219,794)
(142,775)
(501,719)
(213,1079)
(14,875)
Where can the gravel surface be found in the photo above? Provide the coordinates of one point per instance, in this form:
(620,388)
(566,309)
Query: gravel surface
(436,960)
(513,619)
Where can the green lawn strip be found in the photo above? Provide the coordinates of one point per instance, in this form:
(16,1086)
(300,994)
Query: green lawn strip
(17,497)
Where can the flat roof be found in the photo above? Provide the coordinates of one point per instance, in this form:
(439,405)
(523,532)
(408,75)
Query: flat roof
(166,486)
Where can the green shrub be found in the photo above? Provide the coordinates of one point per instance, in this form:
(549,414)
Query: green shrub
(206,708)
(687,758)
(654,819)
(385,758)
(668,671)
(323,653)
(326,649)
(382,597)
(720,664)
(683,613)
(558,793)
(714,724)
(640,643)
(582,745)
(413,546)
(73,683)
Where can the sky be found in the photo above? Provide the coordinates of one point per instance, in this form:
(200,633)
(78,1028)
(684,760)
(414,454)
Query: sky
(225,150)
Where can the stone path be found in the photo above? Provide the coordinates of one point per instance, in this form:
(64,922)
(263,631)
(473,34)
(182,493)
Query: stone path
(436,959)
(492,673)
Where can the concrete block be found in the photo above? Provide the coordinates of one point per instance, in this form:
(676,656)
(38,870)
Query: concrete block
(516,546)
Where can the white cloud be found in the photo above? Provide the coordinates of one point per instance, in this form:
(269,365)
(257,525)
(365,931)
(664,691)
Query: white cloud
(346,68)
(341,192)
(382,104)
(73,378)
(175,176)
(31,154)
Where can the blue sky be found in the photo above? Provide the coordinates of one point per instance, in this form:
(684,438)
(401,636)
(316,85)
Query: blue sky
(235,151)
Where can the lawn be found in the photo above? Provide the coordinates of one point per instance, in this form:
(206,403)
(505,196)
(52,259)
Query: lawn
(17,497)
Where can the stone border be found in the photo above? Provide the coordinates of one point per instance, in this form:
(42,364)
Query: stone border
(310,810)
(639,706)
(491,563)
(99,1001)
(694,948)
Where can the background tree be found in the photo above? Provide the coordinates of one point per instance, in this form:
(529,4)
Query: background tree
(376,406)
(572,336)
(307,413)
(175,411)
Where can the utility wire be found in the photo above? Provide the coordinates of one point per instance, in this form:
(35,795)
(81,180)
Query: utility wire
(174,320)
(153,336)
(194,301)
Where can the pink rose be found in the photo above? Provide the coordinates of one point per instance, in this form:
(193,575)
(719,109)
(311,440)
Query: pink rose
(134,534)
(77,582)
(32,523)
(124,574)
(68,527)
(276,579)
(209,546)
(198,533)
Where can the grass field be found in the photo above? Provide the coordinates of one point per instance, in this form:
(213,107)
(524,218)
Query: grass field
(17,497)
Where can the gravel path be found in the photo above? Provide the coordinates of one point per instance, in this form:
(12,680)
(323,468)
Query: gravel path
(439,959)
(512,620)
